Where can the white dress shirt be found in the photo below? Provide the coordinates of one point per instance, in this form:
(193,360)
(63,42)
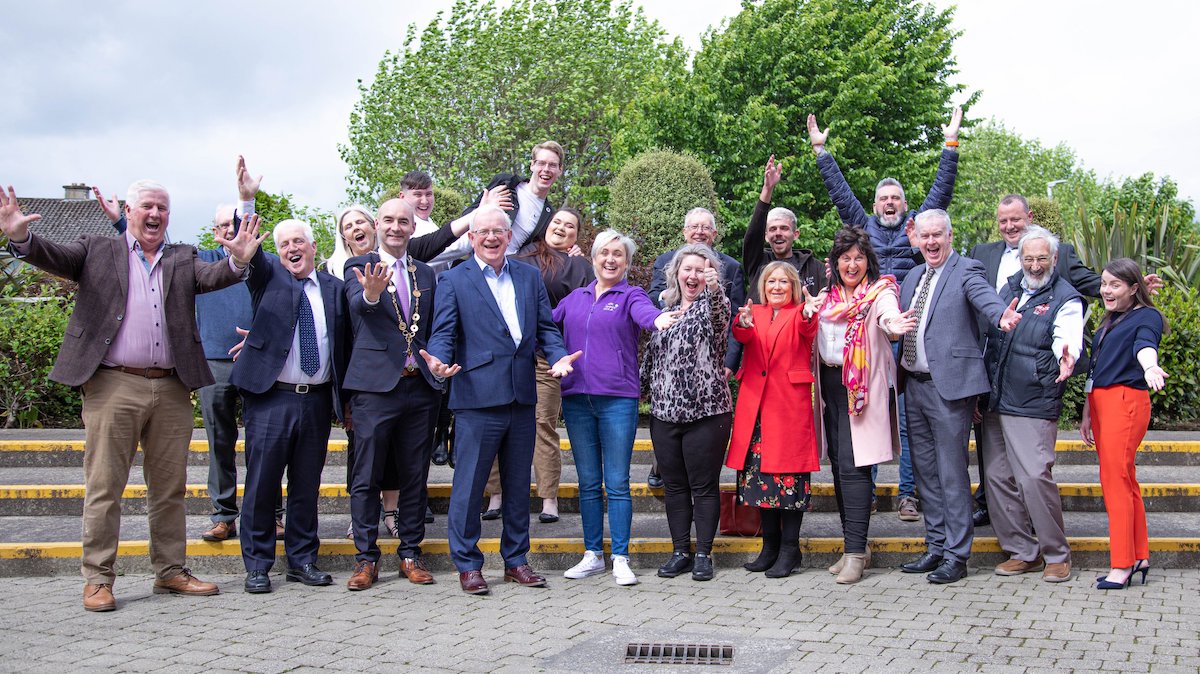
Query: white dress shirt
(505,294)
(1010,263)
(291,373)
(921,363)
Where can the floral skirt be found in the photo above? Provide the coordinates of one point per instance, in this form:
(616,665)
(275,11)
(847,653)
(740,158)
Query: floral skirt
(786,491)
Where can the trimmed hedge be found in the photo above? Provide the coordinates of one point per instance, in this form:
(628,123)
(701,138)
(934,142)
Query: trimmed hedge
(651,195)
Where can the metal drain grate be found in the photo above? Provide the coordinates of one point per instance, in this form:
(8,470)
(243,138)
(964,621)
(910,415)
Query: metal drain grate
(678,654)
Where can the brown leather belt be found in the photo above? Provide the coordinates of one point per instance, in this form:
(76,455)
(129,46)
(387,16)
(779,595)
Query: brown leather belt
(410,373)
(148,373)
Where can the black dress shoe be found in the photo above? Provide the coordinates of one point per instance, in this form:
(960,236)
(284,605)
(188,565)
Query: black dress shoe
(441,452)
(980,517)
(547,518)
(428,515)
(949,571)
(680,562)
(654,480)
(490,514)
(309,574)
(258,582)
(923,564)
(702,568)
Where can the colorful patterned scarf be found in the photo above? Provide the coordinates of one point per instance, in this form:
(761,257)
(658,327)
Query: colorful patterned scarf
(853,309)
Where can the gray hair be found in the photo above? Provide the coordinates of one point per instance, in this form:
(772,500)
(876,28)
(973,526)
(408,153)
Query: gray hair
(888,182)
(672,296)
(931,214)
(224,209)
(304,227)
(144,185)
(1033,232)
(608,236)
(700,209)
(483,210)
(781,213)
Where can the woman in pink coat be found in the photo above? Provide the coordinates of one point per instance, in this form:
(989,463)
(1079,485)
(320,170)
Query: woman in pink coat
(856,396)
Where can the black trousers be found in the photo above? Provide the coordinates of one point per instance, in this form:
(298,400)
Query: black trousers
(393,432)
(852,486)
(689,457)
(285,432)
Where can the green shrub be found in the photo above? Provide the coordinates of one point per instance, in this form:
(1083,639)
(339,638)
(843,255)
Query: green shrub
(1046,213)
(651,195)
(1179,401)
(30,335)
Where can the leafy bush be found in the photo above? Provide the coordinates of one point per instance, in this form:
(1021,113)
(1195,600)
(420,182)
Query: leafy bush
(651,195)
(1046,213)
(31,332)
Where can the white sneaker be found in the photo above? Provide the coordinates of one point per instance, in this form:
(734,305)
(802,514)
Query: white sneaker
(621,571)
(590,565)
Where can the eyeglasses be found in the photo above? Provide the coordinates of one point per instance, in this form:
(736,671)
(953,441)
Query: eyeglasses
(1040,260)
(553,165)
(489,232)
(699,228)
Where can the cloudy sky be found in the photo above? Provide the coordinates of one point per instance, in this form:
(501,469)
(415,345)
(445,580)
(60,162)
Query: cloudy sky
(109,92)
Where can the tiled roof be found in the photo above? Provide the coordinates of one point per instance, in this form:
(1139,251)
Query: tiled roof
(64,220)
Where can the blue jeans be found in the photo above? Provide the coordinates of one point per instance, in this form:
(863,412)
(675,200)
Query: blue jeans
(907,484)
(602,429)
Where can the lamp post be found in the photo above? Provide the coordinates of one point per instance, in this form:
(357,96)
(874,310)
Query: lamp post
(1050,188)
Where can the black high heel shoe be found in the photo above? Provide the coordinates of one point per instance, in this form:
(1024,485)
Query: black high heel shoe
(1105,584)
(1137,568)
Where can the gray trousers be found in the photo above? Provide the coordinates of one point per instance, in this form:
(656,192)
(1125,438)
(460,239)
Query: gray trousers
(938,432)
(1021,492)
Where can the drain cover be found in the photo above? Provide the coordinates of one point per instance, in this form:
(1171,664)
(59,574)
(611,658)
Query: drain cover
(678,654)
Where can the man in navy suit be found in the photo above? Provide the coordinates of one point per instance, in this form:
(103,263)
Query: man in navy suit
(944,376)
(395,398)
(492,313)
(290,373)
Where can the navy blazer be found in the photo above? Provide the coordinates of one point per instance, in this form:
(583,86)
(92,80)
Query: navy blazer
(468,329)
(275,295)
(378,349)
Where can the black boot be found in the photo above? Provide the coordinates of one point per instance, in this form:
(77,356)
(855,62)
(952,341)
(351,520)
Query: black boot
(441,451)
(770,546)
(789,545)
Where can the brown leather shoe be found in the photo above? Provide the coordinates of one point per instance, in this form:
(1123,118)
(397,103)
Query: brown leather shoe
(472,582)
(1057,572)
(365,575)
(185,583)
(414,570)
(1015,567)
(98,598)
(523,575)
(279,527)
(221,531)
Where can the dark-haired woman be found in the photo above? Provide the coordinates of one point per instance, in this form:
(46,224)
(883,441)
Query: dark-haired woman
(856,385)
(1117,411)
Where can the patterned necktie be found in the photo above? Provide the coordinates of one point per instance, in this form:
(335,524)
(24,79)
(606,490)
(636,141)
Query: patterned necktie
(310,358)
(400,273)
(909,346)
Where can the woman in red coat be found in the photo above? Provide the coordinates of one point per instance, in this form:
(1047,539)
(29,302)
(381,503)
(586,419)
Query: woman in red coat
(774,443)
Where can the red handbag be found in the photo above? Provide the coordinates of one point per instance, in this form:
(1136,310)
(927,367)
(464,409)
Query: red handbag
(738,519)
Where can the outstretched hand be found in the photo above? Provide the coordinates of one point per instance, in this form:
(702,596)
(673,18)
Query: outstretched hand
(666,319)
(13,222)
(1153,283)
(745,318)
(1066,365)
(112,209)
(771,175)
(951,130)
(374,281)
(816,137)
(437,367)
(1156,377)
(1010,318)
(904,323)
(246,242)
(563,367)
(812,304)
(247,184)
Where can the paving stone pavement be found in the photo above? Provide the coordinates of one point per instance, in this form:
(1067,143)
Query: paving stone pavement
(890,622)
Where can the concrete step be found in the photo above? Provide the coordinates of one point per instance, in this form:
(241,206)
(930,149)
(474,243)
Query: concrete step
(49,547)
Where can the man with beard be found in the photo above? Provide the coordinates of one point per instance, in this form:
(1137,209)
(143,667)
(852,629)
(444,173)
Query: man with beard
(1029,368)
(778,227)
(889,228)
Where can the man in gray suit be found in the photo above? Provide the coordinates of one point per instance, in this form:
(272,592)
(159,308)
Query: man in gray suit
(944,377)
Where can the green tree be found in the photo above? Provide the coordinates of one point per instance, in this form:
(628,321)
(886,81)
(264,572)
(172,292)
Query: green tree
(448,204)
(876,71)
(472,93)
(652,194)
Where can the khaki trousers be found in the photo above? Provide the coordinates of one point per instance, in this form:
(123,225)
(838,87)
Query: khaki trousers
(119,410)
(547,453)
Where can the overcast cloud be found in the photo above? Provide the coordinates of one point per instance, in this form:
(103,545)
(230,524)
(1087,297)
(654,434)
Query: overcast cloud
(107,93)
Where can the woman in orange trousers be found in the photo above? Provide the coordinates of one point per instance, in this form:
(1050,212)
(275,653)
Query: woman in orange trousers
(1117,412)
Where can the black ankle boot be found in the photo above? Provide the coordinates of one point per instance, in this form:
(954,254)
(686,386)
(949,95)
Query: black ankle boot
(788,561)
(771,535)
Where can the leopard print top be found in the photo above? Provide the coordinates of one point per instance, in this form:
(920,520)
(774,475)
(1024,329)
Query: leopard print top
(683,366)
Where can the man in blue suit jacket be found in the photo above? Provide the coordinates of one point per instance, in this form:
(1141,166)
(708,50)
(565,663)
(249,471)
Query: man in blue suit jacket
(395,398)
(290,374)
(944,375)
(491,315)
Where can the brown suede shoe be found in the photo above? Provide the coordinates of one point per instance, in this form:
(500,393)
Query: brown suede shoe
(523,575)
(185,583)
(365,575)
(472,582)
(221,531)
(414,570)
(98,598)
(1015,567)
(1057,572)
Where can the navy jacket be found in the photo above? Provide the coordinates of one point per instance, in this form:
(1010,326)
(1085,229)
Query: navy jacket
(512,180)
